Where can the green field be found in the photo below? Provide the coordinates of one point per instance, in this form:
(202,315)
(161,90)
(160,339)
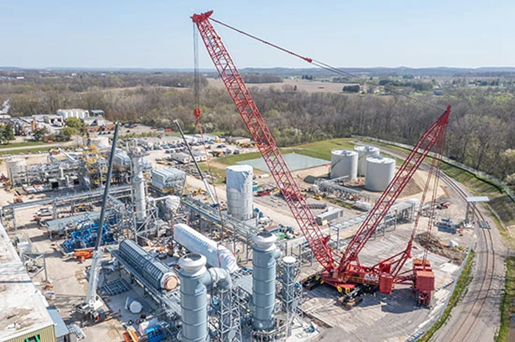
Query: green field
(319,149)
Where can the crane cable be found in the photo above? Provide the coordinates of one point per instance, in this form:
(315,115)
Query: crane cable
(197,113)
(326,66)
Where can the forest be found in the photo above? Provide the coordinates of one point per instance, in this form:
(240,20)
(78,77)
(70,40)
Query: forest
(480,132)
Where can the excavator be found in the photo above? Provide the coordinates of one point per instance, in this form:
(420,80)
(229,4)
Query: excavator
(348,274)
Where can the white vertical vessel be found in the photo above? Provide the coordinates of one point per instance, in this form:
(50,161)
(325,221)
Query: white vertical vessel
(239,191)
(344,164)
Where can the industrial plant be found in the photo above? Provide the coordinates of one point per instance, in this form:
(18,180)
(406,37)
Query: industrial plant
(142,239)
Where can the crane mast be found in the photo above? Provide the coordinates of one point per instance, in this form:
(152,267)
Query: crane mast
(264,140)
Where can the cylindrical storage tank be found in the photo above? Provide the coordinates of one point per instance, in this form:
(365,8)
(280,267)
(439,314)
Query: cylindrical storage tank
(288,278)
(239,191)
(193,241)
(150,268)
(263,280)
(363,153)
(380,172)
(193,298)
(344,163)
(14,166)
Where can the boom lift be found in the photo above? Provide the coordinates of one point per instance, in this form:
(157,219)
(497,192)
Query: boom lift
(348,273)
(92,304)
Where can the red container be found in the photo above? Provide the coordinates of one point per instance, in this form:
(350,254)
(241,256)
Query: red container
(386,283)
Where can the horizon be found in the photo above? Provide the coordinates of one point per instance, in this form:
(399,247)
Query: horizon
(59,68)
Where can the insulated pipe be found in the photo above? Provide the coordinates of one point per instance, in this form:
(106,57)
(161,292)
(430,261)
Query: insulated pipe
(263,280)
(194,278)
(288,278)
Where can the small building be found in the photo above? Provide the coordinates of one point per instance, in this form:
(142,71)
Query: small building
(199,156)
(181,157)
(73,113)
(5,117)
(97,112)
(53,119)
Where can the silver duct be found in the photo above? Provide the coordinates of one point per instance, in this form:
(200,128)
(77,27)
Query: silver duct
(194,278)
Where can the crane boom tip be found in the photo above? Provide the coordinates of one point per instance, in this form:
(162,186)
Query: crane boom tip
(198,18)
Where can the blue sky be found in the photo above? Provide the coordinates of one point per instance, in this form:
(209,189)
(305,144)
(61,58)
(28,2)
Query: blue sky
(158,34)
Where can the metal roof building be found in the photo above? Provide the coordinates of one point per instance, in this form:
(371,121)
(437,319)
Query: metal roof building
(23,309)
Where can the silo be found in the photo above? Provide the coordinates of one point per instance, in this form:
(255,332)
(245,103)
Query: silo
(239,191)
(263,280)
(363,153)
(344,163)
(380,171)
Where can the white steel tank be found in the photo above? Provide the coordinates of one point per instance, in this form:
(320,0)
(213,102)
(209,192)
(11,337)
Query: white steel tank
(239,191)
(380,171)
(344,163)
(363,153)
(193,241)
(14,166)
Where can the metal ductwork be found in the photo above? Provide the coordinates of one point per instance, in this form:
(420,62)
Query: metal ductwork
(150,268)
(263,280)
(194,278)
(195,242)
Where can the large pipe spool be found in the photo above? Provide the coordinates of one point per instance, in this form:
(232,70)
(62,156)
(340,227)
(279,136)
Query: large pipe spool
(193,241)
(152,269)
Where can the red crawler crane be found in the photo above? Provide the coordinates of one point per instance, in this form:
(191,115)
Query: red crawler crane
(349,272)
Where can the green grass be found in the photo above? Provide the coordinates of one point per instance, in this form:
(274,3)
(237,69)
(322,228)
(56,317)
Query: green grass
(236,158)
(24,151)
(457,295)
(507,304)
(319,149)
(22,144)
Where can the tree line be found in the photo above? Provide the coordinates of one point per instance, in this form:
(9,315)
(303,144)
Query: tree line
(480,131)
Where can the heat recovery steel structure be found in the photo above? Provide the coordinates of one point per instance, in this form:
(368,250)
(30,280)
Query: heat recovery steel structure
(348,272)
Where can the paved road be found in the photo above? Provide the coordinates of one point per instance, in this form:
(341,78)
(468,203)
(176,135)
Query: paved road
(17,148)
